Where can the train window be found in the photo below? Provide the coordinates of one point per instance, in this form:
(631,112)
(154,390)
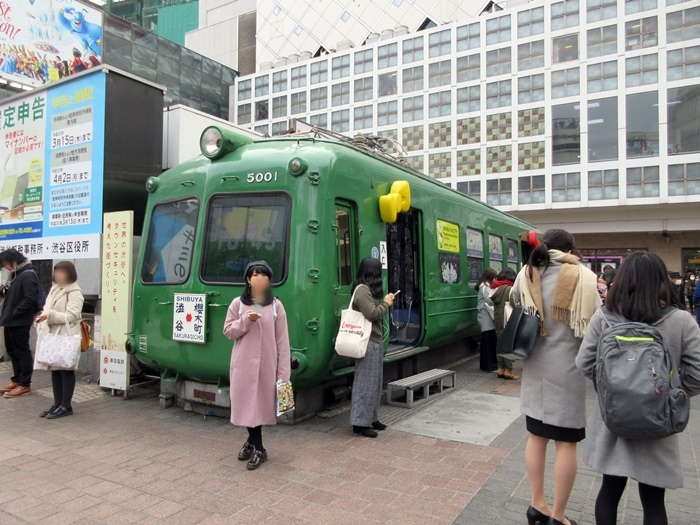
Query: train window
(170,241)
(496,252)
(475,255)
(244,228)
(512,254)
(344,245)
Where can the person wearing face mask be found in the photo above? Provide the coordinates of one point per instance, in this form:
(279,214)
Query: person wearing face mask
(21,294)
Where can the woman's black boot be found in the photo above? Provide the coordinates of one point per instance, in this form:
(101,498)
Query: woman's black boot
(378,426)
(365,431)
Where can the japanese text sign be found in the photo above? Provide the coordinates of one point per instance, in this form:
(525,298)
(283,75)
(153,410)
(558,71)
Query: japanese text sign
(190,318)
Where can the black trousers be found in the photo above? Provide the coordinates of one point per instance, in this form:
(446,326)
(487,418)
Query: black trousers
(609,498)
(488,361)
(63,382)
(17,345)
(255,437)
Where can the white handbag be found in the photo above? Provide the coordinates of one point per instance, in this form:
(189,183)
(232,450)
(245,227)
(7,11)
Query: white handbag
(354,332)
(59,351)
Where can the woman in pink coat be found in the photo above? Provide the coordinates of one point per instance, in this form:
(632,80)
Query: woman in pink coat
(257,322)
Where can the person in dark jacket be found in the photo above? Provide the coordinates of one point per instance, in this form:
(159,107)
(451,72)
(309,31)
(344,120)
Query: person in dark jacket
(18,313)
(696,300)
(500,296)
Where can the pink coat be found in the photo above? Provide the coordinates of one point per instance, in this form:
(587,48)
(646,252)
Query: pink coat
(260,357)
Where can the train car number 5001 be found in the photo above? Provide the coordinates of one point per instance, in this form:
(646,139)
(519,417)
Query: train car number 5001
(268,176)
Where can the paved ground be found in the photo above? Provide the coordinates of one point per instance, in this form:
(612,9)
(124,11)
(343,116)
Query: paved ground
(130,461)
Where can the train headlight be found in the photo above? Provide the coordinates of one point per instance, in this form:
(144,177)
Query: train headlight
(152,184)
(216,142)
(297,166)
(211,142)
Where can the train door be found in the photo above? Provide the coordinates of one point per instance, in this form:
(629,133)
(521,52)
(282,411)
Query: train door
(403,250)
(345,227)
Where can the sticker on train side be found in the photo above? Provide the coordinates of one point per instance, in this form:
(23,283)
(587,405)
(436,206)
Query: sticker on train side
(261,177)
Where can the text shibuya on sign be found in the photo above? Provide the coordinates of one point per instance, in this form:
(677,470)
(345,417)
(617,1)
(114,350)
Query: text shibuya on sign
(189,318)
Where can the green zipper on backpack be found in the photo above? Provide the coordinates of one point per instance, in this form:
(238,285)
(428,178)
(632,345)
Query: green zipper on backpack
(633,339)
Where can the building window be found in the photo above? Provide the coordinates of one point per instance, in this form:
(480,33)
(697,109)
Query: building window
(413,79)
(601,10)
(531,122)
(683,25)
(468,162)
(499,126)
(263,130)
(497,62)
(279,128)
(319,98)
(279,107)
(439,73)
(602,77)
(684,179)
(498,94)
(363,117)
(244,90)
(363,61)
(298,77)
(413,108)
(636,6)
(412,138)
(602,129)
(641,33)
(682,118)
(473,189)
(499,192)
(531,55)
(643,124)
(262,86)
(340,121)
(564,14)
(387,113)
(468,37)
(642,182)
(565,49)
(341,67)
(469,131)
(469,68)
(641,71)
(469,99)
(244,113)
(364,88)
(683,63)
(498,30)
(602,41)
(319,72)
(531,156)
(413,50)
(387,85)
(531,189)
(320,120)
(499,159)
(531,22)
(279,81)
(340,94)
(565,83)
(531,89)
(298,103)
(440,165)
(566,187)
(415,163)
(387,56)
(440,104)
(603,185)
(440,43)
(566,134)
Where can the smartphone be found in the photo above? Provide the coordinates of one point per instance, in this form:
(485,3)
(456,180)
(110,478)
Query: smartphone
(397,292)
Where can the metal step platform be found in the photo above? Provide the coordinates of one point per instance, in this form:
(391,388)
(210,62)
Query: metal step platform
(427,383)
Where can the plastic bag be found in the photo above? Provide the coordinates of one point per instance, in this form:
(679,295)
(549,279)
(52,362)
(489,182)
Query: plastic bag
(285,397)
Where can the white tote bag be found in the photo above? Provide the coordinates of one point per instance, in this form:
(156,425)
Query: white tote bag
(354,332)
(59,351)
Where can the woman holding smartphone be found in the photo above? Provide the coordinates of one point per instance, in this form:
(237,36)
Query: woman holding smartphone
(257,322)
(367,385)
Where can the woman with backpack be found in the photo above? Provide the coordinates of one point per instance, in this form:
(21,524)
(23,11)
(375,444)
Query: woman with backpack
(500,295)
(563,293)
(62,314)
(257,322)
(487,348)
(642,294)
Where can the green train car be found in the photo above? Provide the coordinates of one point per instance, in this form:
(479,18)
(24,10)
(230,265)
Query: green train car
(312,207)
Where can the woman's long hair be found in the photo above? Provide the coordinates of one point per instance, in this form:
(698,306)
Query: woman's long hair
(487,277)
(642,289)
(246,296)
(560,240)
(369,273)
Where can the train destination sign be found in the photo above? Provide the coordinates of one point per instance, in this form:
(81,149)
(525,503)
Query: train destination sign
(189,317)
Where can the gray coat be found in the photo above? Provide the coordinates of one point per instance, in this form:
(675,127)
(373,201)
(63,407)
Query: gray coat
(485,306)
(553,390)
(655,462)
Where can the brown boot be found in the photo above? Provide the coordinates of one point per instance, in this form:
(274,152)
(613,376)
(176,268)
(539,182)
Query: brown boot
(510,375)
(501,373)
(9,388)
(19,391)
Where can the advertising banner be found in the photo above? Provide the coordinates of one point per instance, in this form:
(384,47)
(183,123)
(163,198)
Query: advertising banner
(51,169)
(46,40)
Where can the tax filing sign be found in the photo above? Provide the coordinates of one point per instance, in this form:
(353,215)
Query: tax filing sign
(52,169)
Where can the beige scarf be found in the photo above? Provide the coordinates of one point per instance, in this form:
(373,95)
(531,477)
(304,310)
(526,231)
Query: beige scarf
(575,294)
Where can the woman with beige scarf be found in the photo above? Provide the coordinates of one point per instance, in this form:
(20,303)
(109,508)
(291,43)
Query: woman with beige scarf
(563,293)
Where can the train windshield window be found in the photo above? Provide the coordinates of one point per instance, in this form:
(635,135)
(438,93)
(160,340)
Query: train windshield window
(171,237)
(245,228)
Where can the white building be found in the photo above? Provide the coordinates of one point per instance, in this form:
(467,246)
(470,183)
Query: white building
(581,114)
